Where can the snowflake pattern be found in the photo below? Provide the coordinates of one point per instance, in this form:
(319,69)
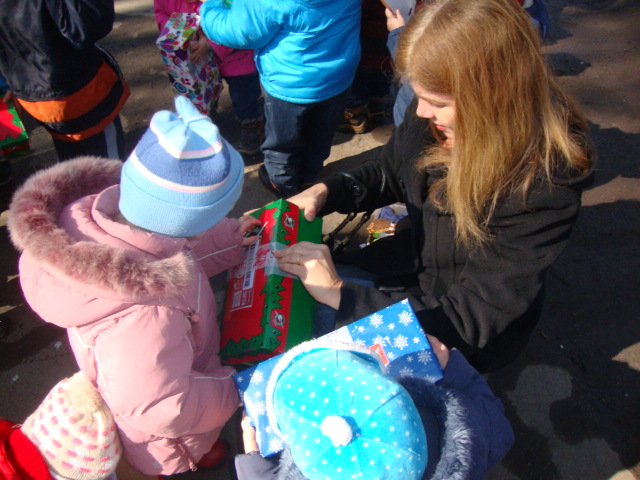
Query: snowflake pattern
(379,340)
(425,356)
(400,342)
(376,320)
(405,318)
(406,371)
(275,444)
(257,377)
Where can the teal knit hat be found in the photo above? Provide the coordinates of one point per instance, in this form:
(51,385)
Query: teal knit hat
(183,177)
(343,417)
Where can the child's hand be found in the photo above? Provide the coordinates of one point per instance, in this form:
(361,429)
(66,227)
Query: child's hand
(394,19)
(248,435)
(440,349)
(248,223)
(200,48)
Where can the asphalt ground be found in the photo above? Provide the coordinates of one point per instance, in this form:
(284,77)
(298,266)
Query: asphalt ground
(573,396)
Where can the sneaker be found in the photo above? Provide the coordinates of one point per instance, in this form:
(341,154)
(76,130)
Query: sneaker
(217,457)
(251,136)
(263,175)
(355,120)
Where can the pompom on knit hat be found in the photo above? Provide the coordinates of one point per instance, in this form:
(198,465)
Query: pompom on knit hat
(342,416)
(183,177)
(75,432)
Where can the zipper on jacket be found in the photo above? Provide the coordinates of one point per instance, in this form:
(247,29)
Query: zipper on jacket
(185,454)
(191,314)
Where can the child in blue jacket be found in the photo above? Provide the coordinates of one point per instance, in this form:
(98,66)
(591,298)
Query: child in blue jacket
(341,416)
(306,52)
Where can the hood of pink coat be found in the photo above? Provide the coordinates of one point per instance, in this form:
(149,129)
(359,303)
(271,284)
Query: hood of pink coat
(34,228)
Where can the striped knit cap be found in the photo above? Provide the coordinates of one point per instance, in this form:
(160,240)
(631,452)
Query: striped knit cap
(75,432)
(183,177)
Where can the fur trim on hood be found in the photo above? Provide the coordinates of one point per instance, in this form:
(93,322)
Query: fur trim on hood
(456,460)
(32,223)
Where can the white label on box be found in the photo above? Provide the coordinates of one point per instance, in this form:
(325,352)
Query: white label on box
(340,335)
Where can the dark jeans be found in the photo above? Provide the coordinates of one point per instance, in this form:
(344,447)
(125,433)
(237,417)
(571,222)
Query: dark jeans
(298,139)
(368,83)
(245,93)
(108,144)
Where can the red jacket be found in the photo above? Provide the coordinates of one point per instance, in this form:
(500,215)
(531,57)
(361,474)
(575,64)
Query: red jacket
(19,458)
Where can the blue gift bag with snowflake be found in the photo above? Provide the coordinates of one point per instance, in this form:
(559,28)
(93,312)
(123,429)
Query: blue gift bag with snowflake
(394,333)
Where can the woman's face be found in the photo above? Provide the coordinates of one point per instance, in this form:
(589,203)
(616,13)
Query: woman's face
(440,109)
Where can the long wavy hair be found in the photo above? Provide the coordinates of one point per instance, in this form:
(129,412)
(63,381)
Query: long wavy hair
(512,120)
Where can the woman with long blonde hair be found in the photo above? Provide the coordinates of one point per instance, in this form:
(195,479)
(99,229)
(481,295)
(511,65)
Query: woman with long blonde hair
(490,161)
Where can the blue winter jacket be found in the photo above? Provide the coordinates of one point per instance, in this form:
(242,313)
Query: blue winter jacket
(306,51)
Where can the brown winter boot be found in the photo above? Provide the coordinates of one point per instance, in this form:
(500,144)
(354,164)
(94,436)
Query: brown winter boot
(251,136)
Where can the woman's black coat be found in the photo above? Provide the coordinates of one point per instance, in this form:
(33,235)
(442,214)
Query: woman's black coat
(484,302)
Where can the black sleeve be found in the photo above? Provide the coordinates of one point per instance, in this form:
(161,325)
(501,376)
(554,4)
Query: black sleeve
(378,182)
(82,22)
(252,466)
(497,286)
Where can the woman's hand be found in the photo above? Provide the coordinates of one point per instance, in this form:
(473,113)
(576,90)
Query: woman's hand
(440,349)
(200,48)
(394,19)
(248,223)
(248,435)
(311,200)
(313,264)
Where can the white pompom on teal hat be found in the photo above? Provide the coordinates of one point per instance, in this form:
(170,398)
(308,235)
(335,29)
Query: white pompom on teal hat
(183,177)
(343,417)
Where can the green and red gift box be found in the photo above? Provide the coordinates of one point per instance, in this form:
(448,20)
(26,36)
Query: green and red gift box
(268,311)
(13,136)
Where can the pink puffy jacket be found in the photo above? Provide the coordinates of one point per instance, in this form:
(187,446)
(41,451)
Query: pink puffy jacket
(232,62)
(138,308)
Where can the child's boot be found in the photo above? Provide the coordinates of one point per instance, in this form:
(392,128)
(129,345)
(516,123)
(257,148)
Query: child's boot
(355,120)
(251,136)
(217,457)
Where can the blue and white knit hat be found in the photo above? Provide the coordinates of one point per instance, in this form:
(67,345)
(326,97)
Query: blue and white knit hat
(183,177)
(343,417)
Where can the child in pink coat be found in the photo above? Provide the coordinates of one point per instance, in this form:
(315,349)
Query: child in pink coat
(238,69)
(120,256)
